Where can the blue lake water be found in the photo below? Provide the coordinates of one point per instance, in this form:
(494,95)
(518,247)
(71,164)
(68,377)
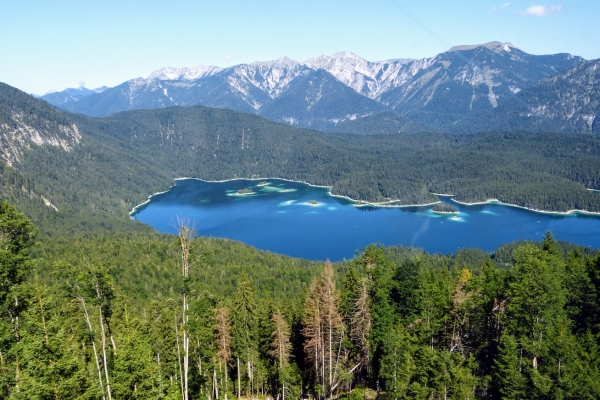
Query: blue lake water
(278,217)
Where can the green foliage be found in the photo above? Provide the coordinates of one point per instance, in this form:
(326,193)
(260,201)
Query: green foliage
(508,367)
(444,208)
(16,237)
(522,323)
(456,326)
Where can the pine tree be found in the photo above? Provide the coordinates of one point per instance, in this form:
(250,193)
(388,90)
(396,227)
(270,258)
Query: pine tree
(509,376)
(281,347)
(244,328)
(16,237)
(397,363)
(204,339)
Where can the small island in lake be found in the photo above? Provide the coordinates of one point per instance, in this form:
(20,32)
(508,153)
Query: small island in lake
(313,203)
(245,191)
(262,184)
(444,208)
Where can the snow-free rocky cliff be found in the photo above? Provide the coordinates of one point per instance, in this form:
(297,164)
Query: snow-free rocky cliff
(25,122)
(566,102)
(324,91)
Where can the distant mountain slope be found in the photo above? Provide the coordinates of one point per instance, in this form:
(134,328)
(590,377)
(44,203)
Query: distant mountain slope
(26,121)
(69,96)
(370,79)
(462,82)
(386,123)
(245,87)
(319,101)
(566,102)
(440,91)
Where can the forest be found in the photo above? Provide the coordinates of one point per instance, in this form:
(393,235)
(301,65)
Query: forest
(144,315)
(96,306)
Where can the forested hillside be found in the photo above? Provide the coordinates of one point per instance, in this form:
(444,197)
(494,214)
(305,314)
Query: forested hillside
(150,316)
(543,171)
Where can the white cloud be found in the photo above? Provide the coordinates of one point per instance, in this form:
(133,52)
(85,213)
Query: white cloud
(228,57)
(541,11)
(498,8)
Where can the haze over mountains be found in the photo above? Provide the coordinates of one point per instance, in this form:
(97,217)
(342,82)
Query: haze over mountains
(458,90)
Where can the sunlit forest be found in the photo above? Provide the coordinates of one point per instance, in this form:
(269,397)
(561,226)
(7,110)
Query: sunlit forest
(144,315)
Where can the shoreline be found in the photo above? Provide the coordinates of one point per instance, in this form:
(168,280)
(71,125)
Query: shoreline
(378,204)
(134,209)
(365,203)
(496,201)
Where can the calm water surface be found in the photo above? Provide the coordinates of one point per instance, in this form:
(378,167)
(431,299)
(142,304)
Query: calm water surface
(278,216)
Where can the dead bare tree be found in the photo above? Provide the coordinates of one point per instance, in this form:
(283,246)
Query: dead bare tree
(324,332)
(360,326)
(185,235)
(223,327)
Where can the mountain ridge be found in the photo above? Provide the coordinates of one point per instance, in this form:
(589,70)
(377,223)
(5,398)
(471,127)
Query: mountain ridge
(437,91)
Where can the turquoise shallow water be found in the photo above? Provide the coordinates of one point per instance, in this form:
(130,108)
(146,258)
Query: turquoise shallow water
(278,217)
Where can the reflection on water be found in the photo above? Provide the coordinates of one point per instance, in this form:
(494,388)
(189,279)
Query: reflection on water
(304,221)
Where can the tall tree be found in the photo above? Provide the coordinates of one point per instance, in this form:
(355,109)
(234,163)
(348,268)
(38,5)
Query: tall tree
(16,237)
(223,328)
(324,332)
(185,234)
(244,329)
(509,375)
(535,311)
(281,347)
(80,286)
(360,328)
(204,338)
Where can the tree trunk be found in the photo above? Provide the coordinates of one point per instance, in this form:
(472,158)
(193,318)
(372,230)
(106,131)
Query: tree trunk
(239,383)
(104,353)
(179,358)
(215,385)
(89,324)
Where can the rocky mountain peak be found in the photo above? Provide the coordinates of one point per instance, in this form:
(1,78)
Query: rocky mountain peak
(189,73)
(494,46)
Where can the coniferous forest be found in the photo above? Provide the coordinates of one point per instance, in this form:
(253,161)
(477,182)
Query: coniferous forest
(151,316)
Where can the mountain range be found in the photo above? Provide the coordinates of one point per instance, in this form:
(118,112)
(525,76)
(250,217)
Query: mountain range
(457,90)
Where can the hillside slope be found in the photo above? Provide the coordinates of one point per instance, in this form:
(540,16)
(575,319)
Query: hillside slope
(566,102)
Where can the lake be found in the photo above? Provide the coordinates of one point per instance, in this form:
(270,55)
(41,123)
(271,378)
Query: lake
(278,216)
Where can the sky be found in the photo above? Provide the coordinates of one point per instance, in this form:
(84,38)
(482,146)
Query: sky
(51,45)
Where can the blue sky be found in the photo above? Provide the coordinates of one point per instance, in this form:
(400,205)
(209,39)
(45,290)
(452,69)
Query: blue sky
(51,45)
